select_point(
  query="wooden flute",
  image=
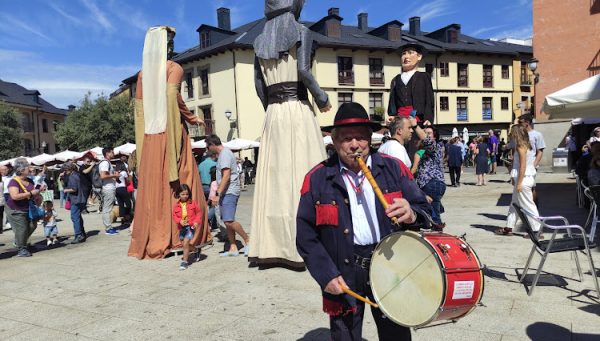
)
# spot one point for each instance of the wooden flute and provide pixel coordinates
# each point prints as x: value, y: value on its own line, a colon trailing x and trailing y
x: 376, y: 189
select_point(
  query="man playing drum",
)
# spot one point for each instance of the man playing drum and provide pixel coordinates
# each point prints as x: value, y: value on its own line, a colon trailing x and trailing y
x: 340, y: 221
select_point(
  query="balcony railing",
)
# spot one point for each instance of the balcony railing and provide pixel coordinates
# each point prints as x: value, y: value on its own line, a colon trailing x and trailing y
x: 346, y: 77
x: 526, y: 80
x: 487, y: 114
x: 462, y: 115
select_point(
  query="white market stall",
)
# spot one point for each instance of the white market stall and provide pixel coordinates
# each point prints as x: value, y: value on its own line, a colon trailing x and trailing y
x: 581, y: 99
x: 68, y: 155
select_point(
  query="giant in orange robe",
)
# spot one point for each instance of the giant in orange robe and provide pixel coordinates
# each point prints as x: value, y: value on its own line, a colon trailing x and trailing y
x: 166, y: 161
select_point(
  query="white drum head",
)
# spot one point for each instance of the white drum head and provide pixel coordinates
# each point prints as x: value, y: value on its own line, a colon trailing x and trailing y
x: 406, y: 279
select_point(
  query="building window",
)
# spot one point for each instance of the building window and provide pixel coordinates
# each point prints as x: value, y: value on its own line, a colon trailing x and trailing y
x: 486, y: 106
x: 463, y: 75
x: 209, y: 123
x: 27, y: 146
x: 55, y: 126
x: 47, y: 148
x: 44, y: 125
x: 205, y: 39
x: 204, y: 81
x: 444, y: 69
x: 488, y: 76
x: 56, y: 148
x: 452, y: 36
x: 376, y: 71
x: 504, y: 103
x: 344, y: 97
x: 189, y: 85
x: 524, y: 76
x: 461, y: 109
x: 376, y: 106
x: 345, y: 73
x: 193, y: 130
x: 505, y: 74
x: 444, y: 105
x: 429, y: 69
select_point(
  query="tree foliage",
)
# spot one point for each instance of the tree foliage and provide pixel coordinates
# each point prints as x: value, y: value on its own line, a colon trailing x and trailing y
x: 11, y: 131
x: 99, y: 122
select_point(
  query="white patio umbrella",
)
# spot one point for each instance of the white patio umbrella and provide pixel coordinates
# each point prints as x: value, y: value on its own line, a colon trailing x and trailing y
x: 68, y: 155
x: 454, y: 132
x: 581, y: 99
x: 238, y: 144
x: 125, y: 149
x: 42, y: 159
x: 465, y: 135
x: 199, y: 144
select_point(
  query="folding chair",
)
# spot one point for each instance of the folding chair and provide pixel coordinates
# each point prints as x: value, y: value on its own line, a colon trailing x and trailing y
x: 571, y: 242
x: 593, y: 193
x: 579, y: 194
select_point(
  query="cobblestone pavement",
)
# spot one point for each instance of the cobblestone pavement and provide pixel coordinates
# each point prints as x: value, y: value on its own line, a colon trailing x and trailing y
x: 94, y: 291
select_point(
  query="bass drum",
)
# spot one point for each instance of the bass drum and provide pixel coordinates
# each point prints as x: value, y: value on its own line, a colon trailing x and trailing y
x: 419, y: 278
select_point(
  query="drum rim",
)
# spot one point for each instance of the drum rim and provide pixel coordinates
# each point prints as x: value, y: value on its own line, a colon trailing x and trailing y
x: 417, y: 236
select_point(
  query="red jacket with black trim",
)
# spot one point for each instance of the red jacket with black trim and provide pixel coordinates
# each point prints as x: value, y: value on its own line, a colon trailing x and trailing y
x: 194, y: 214
x: 325, y: 236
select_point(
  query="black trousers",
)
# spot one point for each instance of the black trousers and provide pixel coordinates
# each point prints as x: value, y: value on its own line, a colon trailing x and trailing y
x: 349, y: 327
x: 454, y: 175
x: 1, y: 218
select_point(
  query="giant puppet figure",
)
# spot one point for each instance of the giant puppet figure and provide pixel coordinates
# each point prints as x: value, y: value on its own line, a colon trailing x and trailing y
x: 412, y: 90
x: 164, y: 150
x: 291, y: 142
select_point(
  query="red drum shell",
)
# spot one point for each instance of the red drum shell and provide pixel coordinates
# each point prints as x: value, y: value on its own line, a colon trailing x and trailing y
x: 419, y: 278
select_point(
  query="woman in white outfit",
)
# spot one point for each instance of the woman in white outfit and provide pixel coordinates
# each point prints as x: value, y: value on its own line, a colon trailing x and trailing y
x: 523, y: 179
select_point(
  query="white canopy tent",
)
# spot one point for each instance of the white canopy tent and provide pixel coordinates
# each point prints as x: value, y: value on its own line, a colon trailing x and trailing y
x: 581, y: 99
x: 42, y: 159
x: 11, y: 161
x: 238, y: 144
x: 199, y: 144
x: 68, y: 155
x: 125, y: 149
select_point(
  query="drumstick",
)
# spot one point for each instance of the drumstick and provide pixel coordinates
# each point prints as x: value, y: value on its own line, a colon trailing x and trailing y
x: 376, y: 189
x: 360, y: 298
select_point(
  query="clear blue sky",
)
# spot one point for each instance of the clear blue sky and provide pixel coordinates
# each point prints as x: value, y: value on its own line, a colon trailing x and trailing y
x: 65, y: 48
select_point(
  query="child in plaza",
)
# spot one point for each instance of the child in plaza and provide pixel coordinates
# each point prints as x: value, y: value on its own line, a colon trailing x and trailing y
x: 187, y: 215
x: 49, y: 223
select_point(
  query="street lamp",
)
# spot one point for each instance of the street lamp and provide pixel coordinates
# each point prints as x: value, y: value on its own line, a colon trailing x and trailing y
x: 43, y: 147
x: 228, y: 114
x: 532, y: 66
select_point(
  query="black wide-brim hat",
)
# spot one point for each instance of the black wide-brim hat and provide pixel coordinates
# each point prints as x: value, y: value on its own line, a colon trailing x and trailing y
x: 414, y: 46
x: 352, y: 115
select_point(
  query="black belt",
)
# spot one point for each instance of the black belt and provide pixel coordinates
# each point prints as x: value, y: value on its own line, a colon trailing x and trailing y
x: 363, y: 262
x: 362, y: 255
x: 286, y: 91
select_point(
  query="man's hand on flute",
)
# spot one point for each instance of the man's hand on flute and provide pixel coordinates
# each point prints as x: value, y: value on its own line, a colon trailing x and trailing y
x: 400, y: 209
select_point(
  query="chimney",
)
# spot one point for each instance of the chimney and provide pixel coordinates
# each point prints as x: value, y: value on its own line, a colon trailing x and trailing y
x: 415, y: 26
x: 223, y: 18
x: 363, y: 23
x: 334, y: 11
x: 71, y: 107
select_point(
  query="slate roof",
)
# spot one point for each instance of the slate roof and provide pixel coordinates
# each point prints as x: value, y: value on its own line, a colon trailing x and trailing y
x: 353, y: 37
x: 16, y: 94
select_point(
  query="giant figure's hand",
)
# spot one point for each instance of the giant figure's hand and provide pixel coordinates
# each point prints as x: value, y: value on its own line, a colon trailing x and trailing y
x: 325, y: 108
x: 336, y: 286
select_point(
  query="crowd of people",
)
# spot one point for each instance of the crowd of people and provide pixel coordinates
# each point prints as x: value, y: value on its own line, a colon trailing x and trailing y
x: 77, y: 186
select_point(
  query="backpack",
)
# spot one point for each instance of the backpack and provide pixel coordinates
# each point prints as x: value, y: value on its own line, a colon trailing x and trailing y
x: 96, y: 180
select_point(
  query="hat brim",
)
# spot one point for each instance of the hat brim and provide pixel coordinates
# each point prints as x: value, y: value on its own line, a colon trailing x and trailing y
x: 417, y: 47
x: 373, y: 125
